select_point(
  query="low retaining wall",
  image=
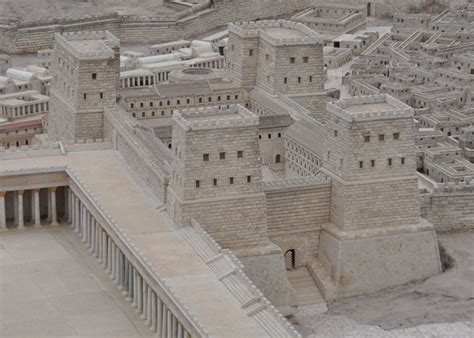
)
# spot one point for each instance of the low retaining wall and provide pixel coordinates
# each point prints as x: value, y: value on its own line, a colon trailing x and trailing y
x: 450, y: 206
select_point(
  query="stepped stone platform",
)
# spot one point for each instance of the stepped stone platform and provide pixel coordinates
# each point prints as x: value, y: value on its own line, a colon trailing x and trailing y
x: 307, y: 292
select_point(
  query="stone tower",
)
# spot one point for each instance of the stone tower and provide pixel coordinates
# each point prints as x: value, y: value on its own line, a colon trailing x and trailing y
x: 376, y: 238
x: 280, y: 57
x: 86, y: 68
x: 217, y: 182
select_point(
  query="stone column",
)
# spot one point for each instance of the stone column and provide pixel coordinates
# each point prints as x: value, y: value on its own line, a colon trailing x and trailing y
x: 149, y: 307
x: 134, y: 285
x: 15, y: 208
x: 92, y: 226
x: 3, y: 212
x: 69, y: 205
x: 109, y: 254
x: 73, y: 210
x: 153, y: 311
x: 84, y: 225
x: 77, y: 210
x: 169, y: 325
x: 139, y: 294
x: 36, y: 208
x: 54, y: 212
x: 175, y: 326
x: 130, y: 282
x: 112, y: 260
x: 50, y: 220
x: 159, y: 316
x: 105, y: 251
x: 21, y: 223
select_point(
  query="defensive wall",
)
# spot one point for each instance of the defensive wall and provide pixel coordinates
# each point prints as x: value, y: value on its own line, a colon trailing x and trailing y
x: 29, y: 37
x: 32, y: 36
x: 296, y: 210
x: 449, y: 206
x: 148, y: 158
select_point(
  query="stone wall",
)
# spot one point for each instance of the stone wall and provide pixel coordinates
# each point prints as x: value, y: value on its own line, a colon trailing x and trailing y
x: 146, y: 30
x: 296, y: 210
x: 383, y: 7
x: 152, y: 168
x: 451, y: 206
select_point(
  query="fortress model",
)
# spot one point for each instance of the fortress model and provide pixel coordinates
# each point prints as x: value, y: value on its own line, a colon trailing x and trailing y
x: 199, y: 174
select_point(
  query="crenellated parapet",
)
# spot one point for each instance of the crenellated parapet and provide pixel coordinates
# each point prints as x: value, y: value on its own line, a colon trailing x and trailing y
x: 89, y: 45
x: 254, y: 29
x: 456, y: 187
x: 295, y: 183
x: 357, y: 108
x: 215, y: 117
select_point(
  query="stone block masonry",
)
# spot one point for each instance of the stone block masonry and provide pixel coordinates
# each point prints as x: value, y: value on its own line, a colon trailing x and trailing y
x: 297, y: 209
x: 450, y: 206
x: 216, y: 180
x: 86, y: 68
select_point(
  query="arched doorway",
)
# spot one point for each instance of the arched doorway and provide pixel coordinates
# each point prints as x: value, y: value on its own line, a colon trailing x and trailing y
x: 369, y: 9
x: 278, y: 158
x: 290, y: 259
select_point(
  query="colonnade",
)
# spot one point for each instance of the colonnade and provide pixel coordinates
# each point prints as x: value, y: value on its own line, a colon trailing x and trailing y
x: 123, y: 272
x: 19, y: 217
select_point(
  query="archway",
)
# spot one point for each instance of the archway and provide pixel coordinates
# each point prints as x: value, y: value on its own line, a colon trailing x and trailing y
x: 290, y: 259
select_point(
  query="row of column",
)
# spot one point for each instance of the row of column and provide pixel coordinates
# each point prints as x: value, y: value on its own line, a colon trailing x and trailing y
x: 124, y: 274
x: 18, y: 208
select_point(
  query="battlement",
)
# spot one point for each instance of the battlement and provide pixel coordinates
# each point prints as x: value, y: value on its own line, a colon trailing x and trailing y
x: 299, y: 182
x: 453, y: 187
x: 89, y: 45
x: 370, y: 108
x: 215, y: 117
x: 276, y: 32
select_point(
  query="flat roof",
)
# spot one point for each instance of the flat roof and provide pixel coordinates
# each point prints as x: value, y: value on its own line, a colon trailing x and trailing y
x: 87, y: 46
x: 284, y: 33
x: 369, y: 107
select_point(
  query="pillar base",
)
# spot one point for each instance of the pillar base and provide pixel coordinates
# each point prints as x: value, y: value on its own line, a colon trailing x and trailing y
x: 3, y: 229
x: 37, y: 226
x: 55, y: 224
x: 366, y: 261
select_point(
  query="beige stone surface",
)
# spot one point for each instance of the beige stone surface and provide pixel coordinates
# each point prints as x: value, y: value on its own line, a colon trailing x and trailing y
x: 51, y: 287
x: 106, y: 175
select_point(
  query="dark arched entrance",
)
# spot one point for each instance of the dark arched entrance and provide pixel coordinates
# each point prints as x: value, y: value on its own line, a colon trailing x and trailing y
x: 290, y: 259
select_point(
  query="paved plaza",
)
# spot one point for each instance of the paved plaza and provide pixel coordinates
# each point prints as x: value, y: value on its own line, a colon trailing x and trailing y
x: 51, y: 287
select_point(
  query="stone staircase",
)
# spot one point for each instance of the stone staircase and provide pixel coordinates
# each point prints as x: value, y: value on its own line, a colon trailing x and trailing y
x: 307, y: 292
x: 229, y: 270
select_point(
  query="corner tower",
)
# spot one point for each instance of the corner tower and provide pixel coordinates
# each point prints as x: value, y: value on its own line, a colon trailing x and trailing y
x: 280, y: 57
x: 86, y: 73
x: 376, y: 238
x: 217, y: 182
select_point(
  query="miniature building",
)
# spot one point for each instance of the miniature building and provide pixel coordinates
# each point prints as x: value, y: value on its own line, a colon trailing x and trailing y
x: 5, y: 63
x: 215, y: 175
x: 332, y: 20
x: 262, y: 53
x: 336, y: 57
x: 369, y: 146
x: 45, y: 58
x: 86, y: 69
